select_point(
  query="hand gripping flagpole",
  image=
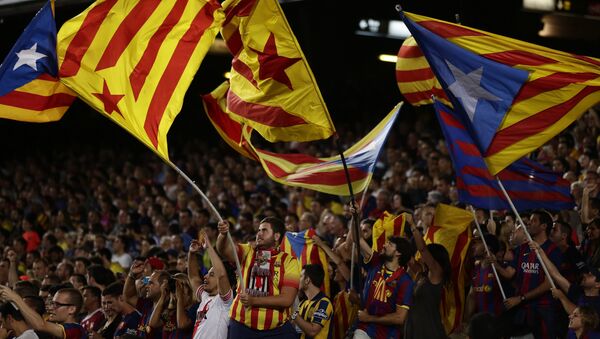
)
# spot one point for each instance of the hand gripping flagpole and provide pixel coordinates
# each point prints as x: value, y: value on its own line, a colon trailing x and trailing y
x: 487, y: 250
x: 512, y: 206
x: 355, y: 215
x: 216, y: 213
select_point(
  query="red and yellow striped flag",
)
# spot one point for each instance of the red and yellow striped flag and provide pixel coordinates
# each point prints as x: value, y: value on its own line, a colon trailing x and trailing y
x: 388, y: 225
x: 215, y: 106
x: 273, y: 89
x: 415, y: 78
x: 558, y: 87
x: 134, y: 60
x: 451, y: 230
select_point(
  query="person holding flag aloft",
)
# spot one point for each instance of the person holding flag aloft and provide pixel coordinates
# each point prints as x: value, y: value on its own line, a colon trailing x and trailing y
x: 262, y: 306
x: 536, y: 308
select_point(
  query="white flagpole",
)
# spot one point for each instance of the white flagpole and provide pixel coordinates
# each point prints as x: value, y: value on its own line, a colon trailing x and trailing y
x: 512, y: 206
x: 216, y: 213
x: 487, y: 250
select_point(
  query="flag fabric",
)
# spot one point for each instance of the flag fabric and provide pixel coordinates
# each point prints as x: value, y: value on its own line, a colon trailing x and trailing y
x: 134, y: 60
x: 29, y: 89
x: 517, y: 95
x: 327, y: 174
x: 529, y: 184
x: 451, y: 229
x: 388, y: 225
x: 215, y: 106
x: 415, y: 78
x: 301, y: 246
x: 272, y: 87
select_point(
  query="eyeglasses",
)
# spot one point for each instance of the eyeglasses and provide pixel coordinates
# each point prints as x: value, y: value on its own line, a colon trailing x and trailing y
x: 56, y: 304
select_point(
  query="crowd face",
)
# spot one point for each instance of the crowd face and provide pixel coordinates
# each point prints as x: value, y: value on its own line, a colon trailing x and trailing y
x: 593, y: 232
x: 575, y: 322
x: 367, y: 230
x: 211, y: 282
x: 60, y: 308
x: 153, y: 289
x: 110, y: 304
x: 265, y: 237
x: 534, y: 227
x: 556, y: 235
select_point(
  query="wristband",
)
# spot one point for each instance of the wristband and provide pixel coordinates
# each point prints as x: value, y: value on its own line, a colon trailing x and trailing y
x: 294, y: 315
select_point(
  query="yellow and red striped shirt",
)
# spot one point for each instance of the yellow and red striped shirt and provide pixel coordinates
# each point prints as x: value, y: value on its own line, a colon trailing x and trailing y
x: 344, y: 315
x: 285, y: 272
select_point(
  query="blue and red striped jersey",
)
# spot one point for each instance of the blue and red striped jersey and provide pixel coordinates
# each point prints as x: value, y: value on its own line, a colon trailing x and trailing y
x: 530, y: 274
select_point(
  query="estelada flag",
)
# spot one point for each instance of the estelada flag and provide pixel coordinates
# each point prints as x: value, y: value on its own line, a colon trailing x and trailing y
x: 517, y: 95
x: 134, y: 60
x: 388, y: 225
x: 301, y: 246
x: 29, y: 88
x: 273, y: 89
x: 451, y: 229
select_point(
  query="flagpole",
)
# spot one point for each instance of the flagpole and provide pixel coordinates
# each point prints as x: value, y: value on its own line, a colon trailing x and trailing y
x: 487, y: 250
x: 355, y: 215
x: 512, y: 206
x: 216, y: 213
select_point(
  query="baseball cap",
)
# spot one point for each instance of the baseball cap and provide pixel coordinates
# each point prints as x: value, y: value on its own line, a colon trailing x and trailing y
x: 155, y: 263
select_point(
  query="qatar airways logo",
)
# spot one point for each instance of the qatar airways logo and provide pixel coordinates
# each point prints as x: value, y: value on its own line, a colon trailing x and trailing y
x: 530, y: 267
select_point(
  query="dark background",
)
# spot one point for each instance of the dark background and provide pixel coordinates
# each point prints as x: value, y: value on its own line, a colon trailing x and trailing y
x: 357, y: 87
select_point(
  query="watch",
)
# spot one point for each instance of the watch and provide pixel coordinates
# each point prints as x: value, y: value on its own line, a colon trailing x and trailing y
x: 294, y: 315
x: 523, y: 298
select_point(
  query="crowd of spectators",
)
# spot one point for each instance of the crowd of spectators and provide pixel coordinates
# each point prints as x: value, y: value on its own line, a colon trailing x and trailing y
x: 77, y: 220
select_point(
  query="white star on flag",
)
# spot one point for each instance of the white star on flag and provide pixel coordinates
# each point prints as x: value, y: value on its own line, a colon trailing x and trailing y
x: 467, y: 87
x: 29, y: 57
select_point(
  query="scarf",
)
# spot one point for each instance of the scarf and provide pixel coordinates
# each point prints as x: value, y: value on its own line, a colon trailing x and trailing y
x: 260, y: 273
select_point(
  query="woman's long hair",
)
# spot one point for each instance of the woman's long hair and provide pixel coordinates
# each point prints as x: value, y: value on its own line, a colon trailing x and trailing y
x: 440, y: 254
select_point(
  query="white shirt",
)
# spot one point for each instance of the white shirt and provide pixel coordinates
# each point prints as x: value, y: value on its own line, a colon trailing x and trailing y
x: 212, y: 317
x: 124, y: 260
x: 29, y: 334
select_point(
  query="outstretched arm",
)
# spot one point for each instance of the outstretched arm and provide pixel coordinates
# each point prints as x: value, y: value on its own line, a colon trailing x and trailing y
x: 32, y: 318
x: 436, y: 273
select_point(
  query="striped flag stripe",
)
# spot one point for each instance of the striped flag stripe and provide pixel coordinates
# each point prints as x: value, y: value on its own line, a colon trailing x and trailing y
x: 410, y: 51
x: 513, y: 179
x: 487, y: 191
x: 84, y: 37
x: 244, y: 70
x: 331, y: 177
x: 241, y: 9
x: 552, y: 82
x: 138, y: 76
x: 175, y: 68
x: 273, y: 116
x: 296, y: 158
x: 409, y: 64
x: 468, y: 148
x: 36, y: 102
x: 537, y: 123
x: 418, y: 96
x: 414, y: 75
x: 519, y: 57
x: 128, y: 28
x: 447, y: 30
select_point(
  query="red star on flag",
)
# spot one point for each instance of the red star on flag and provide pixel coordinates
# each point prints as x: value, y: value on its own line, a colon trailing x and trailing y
x: 109, y: 100
x: 273, y: 65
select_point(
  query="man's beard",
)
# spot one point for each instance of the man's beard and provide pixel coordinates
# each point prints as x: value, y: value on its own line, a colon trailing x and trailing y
x: 387, y: 258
